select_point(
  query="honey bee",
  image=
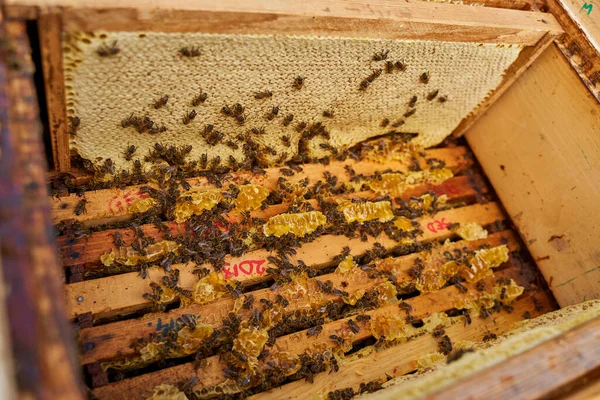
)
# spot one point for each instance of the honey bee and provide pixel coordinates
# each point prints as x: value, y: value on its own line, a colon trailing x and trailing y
x: 118, y: 239
x: 258, y: 131
x: 389, y: 67
x: 299, y: 82
x: 232, y: 145
x: 74, y: 123
x: 240, y: 119
x: 161, y: 102
x: 364, y: 84
x: 432, y: 95
x: 442, y: 99
x: 129, y: 151
x: 273, y: 113
x: 424, y: 78
x: 399, y: 66
x: 193, y: 51
x: 328, y: 113
x: 189, y: 117
x: 398, y: 123
x: 380, y: 56
x: 374, y: 74
x: 131, y: 120
x: 412, y: 101
x: 208, y: 129
x: 301, y: 126
x: 238, y: 109
x: 353, y: 326
x: 286, y: 140
x: 384, y: 123
x: 80, y: 208
x: 288, y: 119
x: 410, y: 112
x: 199, y: 99
x: 314, y: 330
x: 214, y: 138
x: 262, y: 95
x: 107, y: 51
x: 227, y: 111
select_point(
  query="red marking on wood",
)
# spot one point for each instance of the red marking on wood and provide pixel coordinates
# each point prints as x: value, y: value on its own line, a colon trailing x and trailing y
x: 438, y: 225
x: 120, y: 202
x: 246, y: 267
x: 445, y: 188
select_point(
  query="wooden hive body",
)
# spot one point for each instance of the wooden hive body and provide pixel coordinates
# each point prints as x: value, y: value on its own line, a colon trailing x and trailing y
x: 289, y: 293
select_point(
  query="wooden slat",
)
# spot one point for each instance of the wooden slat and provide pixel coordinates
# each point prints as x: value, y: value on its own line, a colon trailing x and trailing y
x: 112, y: 340
x: 298, y: 343
x: 111, y: 205
x: 380, y: 19
x: 123, y: 293
x: 88, y: 249
x: 50, y: 30
x: 544, y: 162
x: 401, y: 359
x: 41, y: 337
x: 575, y: 45
x: 537, y: 372
x: 585, y: 15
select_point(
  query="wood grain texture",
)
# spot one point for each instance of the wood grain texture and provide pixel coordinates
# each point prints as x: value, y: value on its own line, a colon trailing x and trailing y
x: 557, y: 362
x: 540, y: 148
x: 41, y: 336
x: 50, y: 31
x: 383, y: 18
x: 577, y: 47
x: 113, y: 340
x: 585, y: 15
x: 120, y: 294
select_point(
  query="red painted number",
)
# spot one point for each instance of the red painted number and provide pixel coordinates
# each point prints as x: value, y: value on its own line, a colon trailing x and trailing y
x: 121, y: 202
x: 438, y: 225
x: 246, y: 267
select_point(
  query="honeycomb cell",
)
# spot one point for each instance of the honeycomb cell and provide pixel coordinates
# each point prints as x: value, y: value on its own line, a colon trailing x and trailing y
x: 195, y: 203
x: 190, y: 341
x: 366, y: 211
x: 299, y: 224
x: 250, y: 197
x: 209, y: 288
x: 471, y: 231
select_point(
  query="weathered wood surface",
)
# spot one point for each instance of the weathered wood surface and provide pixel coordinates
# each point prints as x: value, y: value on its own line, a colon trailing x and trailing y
x: 544, y: 162
x: 41, y: 337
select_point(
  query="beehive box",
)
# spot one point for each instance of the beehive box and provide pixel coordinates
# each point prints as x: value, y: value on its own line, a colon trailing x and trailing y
x: 273, y: 201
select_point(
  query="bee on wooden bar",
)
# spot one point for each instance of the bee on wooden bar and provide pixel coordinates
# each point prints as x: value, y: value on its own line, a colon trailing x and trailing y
x: 80, y: 208
x: 442, y: 99
x: 287, y: 172
x: 263, y: 95
x: 399, y: 66
x: 282, y: 300
x: 432, y: 95
x: 161, y: 102
x: 424, y: 78
x: 74, y: 123
x: 129, y: 151
x: 380, y: 56
x: 189, y: 117
x: 273, y: 113
x: 106, y: 51
x: 363, y: 318
x: 299, y: 82
x: 353, y: 326
x: 412, y: 101
x: 328, y: 113
x: 199, y: 99
x: 314, y: 330
x: 288, y: 119
x: 336, y: 339
x: 118, y: 239
x: 248, y: 300
x: 192, y: 51
x: 410, y: 112
x: 398, y: 123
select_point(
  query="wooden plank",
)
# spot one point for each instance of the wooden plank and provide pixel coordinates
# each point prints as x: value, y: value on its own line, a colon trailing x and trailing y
x: 111, y: 205
x: 88, y: 249
x: 585, y: 15
x: 380, y: 19
x: 123, y: 293
x: 576, y: 46
x: 298, y: 343
x: 537, y: 372
x: 7, y: 362
x: 50, y: 31
x: 543, y: 161
x: 113, y: 340
x: 523, y: 61
x: 41, y: 338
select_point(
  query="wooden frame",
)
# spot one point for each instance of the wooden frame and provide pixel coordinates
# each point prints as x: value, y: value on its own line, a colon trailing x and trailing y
x: 384, y: 19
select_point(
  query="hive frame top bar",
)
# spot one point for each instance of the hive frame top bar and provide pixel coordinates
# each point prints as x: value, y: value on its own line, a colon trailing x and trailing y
x: 377, y: 19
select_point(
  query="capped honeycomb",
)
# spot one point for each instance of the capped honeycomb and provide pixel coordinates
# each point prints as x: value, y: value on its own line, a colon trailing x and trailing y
x: 142, y: 88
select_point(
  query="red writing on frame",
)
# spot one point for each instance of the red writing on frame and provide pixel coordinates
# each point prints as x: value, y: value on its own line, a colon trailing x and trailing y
x: 438, y: 225
x: 246, y: 267
x: 121, y: 202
